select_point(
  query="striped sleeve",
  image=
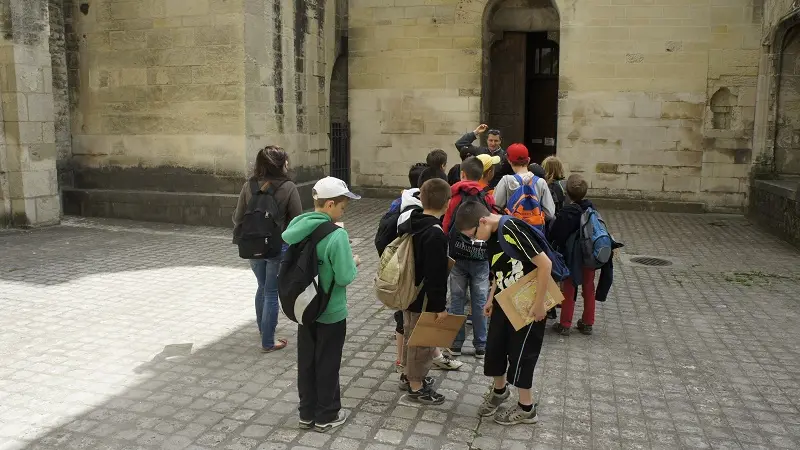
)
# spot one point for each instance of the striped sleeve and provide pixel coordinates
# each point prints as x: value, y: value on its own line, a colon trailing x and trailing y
x: 521, y: 238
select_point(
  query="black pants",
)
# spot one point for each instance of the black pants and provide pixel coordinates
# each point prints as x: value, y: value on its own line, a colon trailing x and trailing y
x: 512, y: 353
x: 398, y: 320
x: 319, y: 357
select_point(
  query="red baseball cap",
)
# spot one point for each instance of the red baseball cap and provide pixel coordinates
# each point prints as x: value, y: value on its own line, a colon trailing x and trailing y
x: 517, y: 153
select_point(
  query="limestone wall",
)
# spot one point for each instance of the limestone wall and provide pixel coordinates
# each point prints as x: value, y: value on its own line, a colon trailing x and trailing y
x: 158, y: 84
x: 178, y: 95
x: 636, y: 80
x: 28, y: 185
x: 289, y: 55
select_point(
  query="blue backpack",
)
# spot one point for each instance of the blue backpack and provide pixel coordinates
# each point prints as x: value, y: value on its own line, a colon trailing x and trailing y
x: 525, y: 204
x: 595, y: 241
x: 560, y: 270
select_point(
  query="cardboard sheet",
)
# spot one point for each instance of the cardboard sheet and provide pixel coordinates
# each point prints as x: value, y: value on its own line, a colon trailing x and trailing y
x: 428, y: 333
x: 517, y: 299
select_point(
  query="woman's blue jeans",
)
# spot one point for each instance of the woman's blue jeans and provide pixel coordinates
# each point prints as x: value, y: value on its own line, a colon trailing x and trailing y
x: 266, y: 271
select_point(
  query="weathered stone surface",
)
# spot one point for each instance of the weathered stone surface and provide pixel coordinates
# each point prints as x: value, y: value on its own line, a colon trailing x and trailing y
x: 633, y: 77
x: 189, y: 374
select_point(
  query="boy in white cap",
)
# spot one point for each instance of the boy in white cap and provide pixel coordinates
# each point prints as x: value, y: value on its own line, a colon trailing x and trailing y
x: 320, y: 344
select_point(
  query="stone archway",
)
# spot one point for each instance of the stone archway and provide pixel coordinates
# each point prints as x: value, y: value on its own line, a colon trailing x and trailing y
x: 520, y: 72
x: 787, y: 123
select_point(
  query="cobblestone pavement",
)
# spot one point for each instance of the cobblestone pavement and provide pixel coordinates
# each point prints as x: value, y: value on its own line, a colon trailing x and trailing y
x: 129, y: 335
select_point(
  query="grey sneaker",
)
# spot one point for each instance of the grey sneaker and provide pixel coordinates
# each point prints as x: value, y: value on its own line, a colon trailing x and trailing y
x: 337, y: 422
x: 516, y: 415
x: 491, y: 401
x: 306, y: 424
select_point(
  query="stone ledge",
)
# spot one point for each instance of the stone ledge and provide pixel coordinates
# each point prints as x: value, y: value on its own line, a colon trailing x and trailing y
x: 188, y: 208
x: 788, y: 188
x: 631, y: 204
x: 775, y: 206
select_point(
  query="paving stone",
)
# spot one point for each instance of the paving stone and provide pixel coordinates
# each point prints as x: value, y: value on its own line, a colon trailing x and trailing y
x: 675, y: 354
x: 389, y: 436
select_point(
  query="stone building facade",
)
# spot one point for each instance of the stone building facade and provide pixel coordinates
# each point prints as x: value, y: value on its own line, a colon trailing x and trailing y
x: 655, y: 100
x: 155, y: 108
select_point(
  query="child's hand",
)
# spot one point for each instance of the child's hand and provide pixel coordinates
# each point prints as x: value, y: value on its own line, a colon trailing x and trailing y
x: 487, y: 310
x: 441, y: 316
x: 357, y: 260
x: 538, y: 312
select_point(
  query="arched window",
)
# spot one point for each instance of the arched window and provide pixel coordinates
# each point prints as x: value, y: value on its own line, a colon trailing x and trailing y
x: 722, y: 103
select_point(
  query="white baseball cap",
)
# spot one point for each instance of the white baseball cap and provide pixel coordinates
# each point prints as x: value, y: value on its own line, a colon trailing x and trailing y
x: 330, y: 187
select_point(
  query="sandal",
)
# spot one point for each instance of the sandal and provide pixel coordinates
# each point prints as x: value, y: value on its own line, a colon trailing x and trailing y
x: 282, y: 343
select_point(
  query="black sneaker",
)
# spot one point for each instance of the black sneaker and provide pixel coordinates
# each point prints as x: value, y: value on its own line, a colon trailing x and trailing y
x: 551, y: 314
x: 306, y: 424
x: 561, y: 329
x: 583, y: 328
x: 426, y: 396
x: 480, y: 353
x: 453, y: 351
x: 403, y: 385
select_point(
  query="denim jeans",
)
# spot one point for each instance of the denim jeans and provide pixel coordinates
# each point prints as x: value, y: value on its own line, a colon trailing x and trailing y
x: 475, y: 276
x: 266, y: 271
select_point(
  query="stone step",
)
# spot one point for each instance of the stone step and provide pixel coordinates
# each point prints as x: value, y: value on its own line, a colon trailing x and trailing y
x: 189, y: 208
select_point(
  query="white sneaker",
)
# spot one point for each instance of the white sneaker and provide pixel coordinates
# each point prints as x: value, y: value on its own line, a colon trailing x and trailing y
x: 339, y: 421
x: 445, y: 363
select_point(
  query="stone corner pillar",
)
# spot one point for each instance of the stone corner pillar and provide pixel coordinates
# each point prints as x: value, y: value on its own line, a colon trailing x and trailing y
x: 29, y: 194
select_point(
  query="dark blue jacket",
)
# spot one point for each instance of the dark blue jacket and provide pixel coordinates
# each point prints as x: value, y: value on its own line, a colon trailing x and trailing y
x: 565, y: 236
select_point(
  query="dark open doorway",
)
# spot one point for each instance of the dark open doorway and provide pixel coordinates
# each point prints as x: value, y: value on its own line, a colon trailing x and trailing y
x: 340, y: 125
x: 523, y: 91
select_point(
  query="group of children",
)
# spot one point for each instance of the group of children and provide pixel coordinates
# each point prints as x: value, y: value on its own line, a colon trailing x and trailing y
x: 465, y: 221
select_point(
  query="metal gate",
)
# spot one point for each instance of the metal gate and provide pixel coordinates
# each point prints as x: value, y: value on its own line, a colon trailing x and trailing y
x: 340, y: 151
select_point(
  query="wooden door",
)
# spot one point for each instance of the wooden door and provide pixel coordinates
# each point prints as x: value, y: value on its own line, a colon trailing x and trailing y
x: 507, y: 87
x: 541, y: 95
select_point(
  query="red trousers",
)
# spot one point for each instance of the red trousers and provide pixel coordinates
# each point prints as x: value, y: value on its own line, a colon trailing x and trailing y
x: 569, y: 291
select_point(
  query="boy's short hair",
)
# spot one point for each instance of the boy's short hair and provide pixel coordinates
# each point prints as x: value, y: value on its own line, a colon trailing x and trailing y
x: 472, y: 168
x: 537, y: 170
x: 436, y: 158
x: 414, y: 174
x: 467, y: 151
x: 576, y: 187
x: 320, y: 202
x: 435, y: 194
x: 430, y: 173
x: 469, y: 215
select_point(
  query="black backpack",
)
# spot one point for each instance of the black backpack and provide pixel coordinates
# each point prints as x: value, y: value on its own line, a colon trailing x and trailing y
x: 387, y: 228
x: 462, y: 247
x: 302, y: 299
x: 259, y: 234
x: 558, y: 193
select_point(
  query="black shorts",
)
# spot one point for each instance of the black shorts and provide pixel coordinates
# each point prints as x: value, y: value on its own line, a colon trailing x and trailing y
x: 512, y: 353
x: 398, y: 319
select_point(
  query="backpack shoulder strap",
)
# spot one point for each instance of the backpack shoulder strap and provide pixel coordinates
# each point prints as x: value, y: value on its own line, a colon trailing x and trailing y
x: 323, y: 230
x: 508, y: 249
x: 519, y: 179
x: 272, y: 187
x: 254, y: 187
x: 254, y: 190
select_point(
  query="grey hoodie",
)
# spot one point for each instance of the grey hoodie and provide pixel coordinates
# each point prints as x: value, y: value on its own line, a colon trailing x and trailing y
x: 508, y: 184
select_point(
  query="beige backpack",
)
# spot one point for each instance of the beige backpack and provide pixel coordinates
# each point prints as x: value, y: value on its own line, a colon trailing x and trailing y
x: 396, y: 279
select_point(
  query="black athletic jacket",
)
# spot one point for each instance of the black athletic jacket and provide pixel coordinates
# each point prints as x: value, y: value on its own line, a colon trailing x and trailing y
x: 430, y: 259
